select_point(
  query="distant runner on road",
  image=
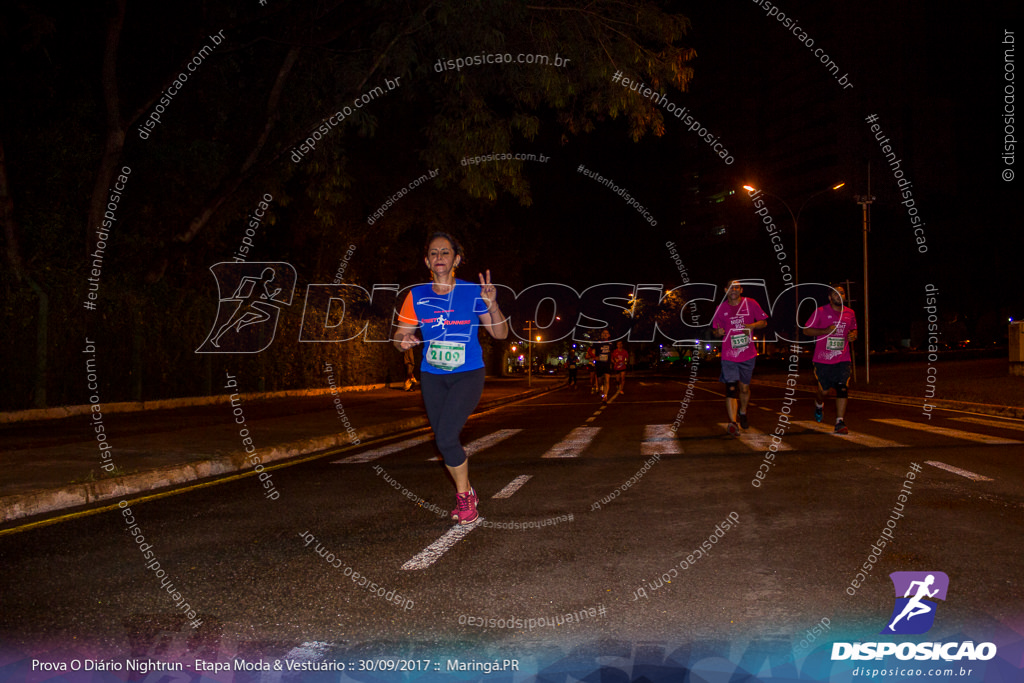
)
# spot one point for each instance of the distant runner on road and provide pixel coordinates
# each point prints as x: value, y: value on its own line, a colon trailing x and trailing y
x: 603, y: 363
x: 620, y: 358
x: 835, y: 326
x: 591, y: 356
x: 735, y: 320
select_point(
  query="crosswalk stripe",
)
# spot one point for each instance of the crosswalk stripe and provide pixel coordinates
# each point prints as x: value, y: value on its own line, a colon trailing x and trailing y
x: 756, y: 440
x: 512, y: 486
x: 433, y: 552
x: 945, y: 431
x: 490, y: 440
x: 572, y: 445
x: 385, y: 450
x: 484, y: 442
x: 855, y: 437
x: 956, y: 470
x: 659, y: 439
x: 1001, y: 424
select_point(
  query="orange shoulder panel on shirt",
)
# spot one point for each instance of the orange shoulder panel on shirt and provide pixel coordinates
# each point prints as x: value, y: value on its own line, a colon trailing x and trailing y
x: 408, y: 313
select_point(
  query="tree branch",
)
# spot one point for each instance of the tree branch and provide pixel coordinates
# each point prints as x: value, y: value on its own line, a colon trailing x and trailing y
x: 114, y: 143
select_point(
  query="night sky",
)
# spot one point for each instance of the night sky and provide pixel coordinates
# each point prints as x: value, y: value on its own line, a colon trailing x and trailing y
x: 932, y: 73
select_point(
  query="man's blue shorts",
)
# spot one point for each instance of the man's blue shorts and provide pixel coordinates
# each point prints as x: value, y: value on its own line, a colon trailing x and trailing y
x: 737, y: 372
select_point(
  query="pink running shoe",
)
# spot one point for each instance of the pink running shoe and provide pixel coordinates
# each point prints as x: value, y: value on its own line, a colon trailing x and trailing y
x: 467, y: 507
x: 455, y: 512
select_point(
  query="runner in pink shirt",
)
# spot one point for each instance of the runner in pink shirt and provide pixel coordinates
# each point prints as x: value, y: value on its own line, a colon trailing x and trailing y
x: 620, y: 358
x: 835, y: 326
x: 735, y: 321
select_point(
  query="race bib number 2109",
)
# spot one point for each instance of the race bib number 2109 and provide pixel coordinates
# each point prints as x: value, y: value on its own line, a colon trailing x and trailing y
x: 446, y: 355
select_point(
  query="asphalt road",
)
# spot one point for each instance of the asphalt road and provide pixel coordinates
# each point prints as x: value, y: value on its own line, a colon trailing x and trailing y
x: 626, y: 565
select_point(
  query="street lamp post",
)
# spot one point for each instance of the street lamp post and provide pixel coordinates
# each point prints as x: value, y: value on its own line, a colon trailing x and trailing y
x: 865, y: 201
x: 529, y: 353
x: 796, y: 221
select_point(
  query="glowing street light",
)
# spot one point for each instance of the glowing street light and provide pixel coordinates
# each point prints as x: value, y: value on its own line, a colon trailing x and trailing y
x: 753, y: 191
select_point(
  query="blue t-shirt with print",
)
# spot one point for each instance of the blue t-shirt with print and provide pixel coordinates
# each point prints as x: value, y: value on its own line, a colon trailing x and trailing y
x: 449, y: 324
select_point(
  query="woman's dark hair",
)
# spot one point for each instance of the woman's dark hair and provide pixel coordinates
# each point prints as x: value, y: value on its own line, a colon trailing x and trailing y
x: 456, y: 245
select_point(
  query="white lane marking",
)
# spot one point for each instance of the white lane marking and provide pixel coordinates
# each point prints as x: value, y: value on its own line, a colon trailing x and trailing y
x: 572, y: 445
x: 945, y: 431
x: 433, y: 552
x: 490, y: 440
x: 855, y: 437
x: 590, y: 419
x: 512, y: 486
x: 484, y: 442
x: 956, y: 470
x: 659, y: 439
x: 756, y: 440
x: 385, y: 450
x: 1001, y: 424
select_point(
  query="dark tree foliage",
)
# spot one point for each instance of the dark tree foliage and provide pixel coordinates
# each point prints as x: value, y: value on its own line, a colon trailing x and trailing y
x: 81, y: 82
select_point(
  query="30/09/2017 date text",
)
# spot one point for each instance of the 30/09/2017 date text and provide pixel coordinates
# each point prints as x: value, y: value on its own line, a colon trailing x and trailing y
x: 429, y: 665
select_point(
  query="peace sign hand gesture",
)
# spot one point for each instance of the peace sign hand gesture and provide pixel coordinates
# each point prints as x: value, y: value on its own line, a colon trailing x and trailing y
x: 488, y: 292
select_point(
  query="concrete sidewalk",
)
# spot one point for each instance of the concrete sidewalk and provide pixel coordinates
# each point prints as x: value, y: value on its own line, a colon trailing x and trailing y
x: 935, y: 403
x: 965, y: 385
x: 56, y: 465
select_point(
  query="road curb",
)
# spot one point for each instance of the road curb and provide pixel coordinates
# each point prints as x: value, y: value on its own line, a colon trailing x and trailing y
x: 41, y: 502
x: 60, y: 412
x: 946, y: 404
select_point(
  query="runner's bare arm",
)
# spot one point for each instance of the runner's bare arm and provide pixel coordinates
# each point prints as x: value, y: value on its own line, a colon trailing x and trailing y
x: 818, y: 331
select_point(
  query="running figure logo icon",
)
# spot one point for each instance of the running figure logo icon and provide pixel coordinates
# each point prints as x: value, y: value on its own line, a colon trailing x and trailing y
x: 247, y: 317
x: 915, y: 614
